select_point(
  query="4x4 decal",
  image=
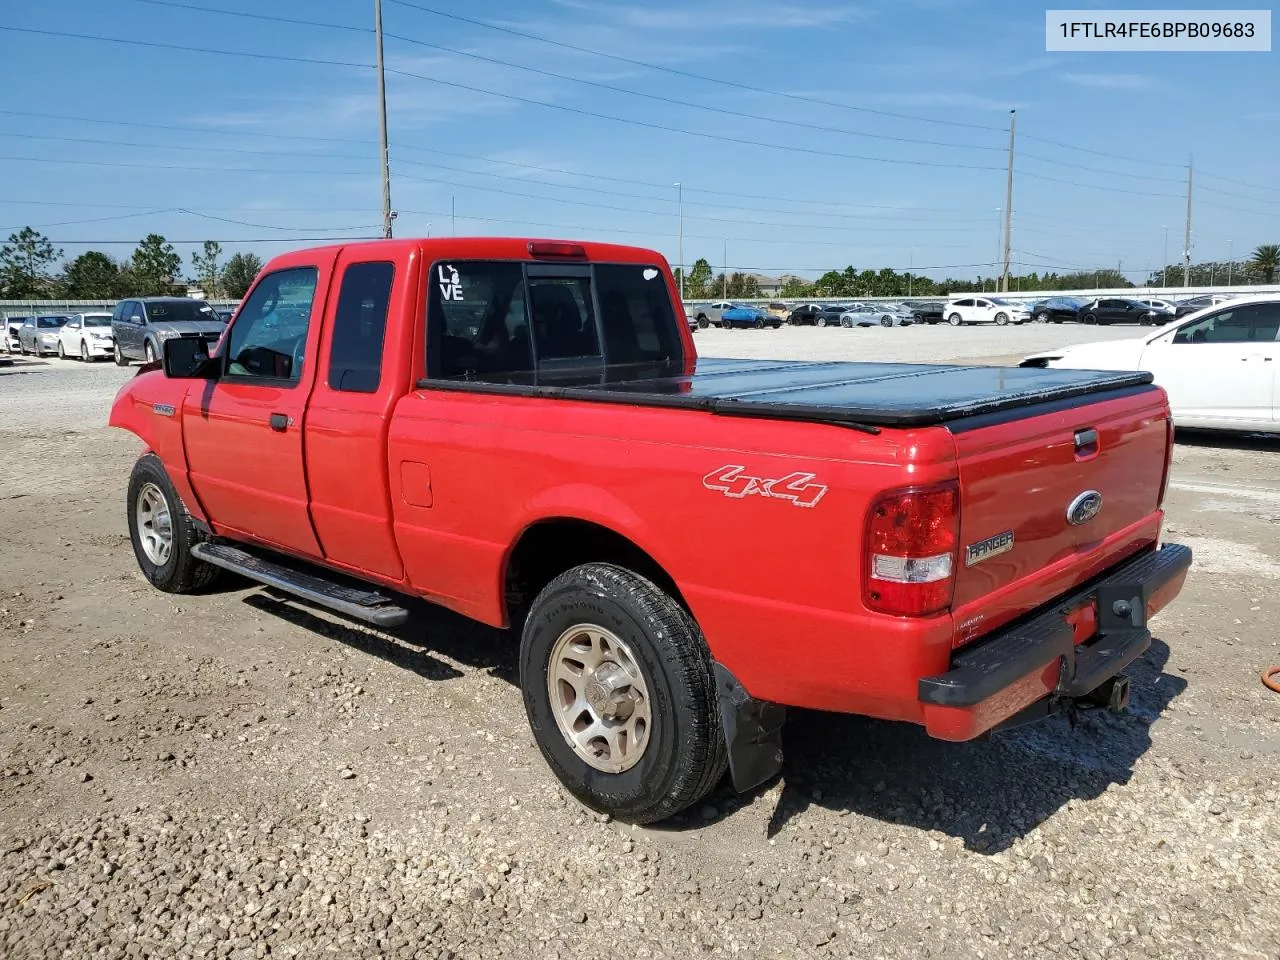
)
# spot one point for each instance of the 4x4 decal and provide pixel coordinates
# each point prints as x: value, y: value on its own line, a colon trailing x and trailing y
x: 733, y: 481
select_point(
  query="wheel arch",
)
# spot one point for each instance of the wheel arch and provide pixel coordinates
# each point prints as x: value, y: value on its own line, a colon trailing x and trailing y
x: 549, y: 546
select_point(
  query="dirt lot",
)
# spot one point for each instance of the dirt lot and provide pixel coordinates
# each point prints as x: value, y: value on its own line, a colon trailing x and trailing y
x: 226, y: 775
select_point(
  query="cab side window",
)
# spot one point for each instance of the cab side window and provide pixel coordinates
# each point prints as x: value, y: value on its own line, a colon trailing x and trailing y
x: 1258, y: 322
x: 360, y: 327
x: 269, y: 335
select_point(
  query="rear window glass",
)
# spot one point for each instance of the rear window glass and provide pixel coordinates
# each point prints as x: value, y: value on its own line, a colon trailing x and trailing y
x: 180, y: 311
x: 638, y: 319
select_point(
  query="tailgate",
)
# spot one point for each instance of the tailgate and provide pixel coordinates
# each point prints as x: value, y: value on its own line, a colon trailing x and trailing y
x: 1049, y: 501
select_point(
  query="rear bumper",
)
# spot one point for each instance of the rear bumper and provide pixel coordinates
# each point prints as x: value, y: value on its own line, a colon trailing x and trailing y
x: 1000, y: 676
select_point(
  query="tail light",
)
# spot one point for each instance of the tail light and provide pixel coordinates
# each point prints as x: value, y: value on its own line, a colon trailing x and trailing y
x: 1168, y: 462
x: 545, y: 249
x: 912, y: 535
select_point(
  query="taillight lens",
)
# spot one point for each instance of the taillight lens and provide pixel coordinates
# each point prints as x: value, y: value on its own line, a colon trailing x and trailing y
x: 1168, y: 462
x: 911, y: 550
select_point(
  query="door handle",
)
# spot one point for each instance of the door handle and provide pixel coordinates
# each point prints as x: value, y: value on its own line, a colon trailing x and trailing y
x: 279, y: 422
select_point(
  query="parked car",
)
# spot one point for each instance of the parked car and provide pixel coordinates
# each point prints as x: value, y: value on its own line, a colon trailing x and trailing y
x: 859, y: 315
x: 1194, y: 304
x: 779, y: 309
x: 1218, y: 366
x: 829, y: 315
x: 710, y: 314
x: 140, y: 327
x: 995, y: 310
x: 744, y: 317
x: 10, y: 330
x: 691, y: 320
x: 806, y: 314
x: 896, y: 315
x: 1056, y: 310
x: 1157, y: 304
x: 224, y: 313
x: 1106, y: 310
x: 926, y: 311
x: 471, y: 457
x: 39, y: 335
x: 87, y: 336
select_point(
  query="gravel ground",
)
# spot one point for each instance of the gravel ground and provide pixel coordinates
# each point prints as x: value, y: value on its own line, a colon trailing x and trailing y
x: 230, y: 776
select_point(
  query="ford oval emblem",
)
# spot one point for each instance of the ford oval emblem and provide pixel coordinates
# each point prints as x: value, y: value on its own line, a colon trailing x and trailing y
x: 1084, y: 508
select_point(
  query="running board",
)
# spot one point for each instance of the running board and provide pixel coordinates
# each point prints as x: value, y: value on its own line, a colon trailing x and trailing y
x: 367, y: 605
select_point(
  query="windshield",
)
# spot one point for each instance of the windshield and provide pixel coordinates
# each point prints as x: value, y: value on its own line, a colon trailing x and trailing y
x: 180, y: 311
x: 97, y: 320
x: 51, y: 323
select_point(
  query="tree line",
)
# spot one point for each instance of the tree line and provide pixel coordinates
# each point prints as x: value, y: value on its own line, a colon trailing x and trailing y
x: 31, y: 268
x: 703, y: 284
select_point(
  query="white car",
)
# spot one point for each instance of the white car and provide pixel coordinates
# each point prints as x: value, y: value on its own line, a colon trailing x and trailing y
x: 87, y: 336
x: 1218, y: 365
x: 985, y: 310
x: 1160, y: 305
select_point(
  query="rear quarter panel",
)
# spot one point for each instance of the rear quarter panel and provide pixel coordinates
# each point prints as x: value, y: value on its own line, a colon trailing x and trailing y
x: 775, y: 587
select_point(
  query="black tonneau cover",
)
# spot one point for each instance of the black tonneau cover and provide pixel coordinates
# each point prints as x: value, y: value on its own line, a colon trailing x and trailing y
x: 855, y: 394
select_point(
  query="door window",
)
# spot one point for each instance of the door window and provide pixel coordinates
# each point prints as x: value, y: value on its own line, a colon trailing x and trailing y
x: 1257, y: 322
x: 360, y: 327
x: 478, y: 326
x: 270, y: 333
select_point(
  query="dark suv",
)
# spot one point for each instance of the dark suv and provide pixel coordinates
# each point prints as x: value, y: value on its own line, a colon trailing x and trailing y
x: 141, y: 327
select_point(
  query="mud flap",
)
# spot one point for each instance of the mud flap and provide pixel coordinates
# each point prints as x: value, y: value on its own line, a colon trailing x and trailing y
x: 752, y: 732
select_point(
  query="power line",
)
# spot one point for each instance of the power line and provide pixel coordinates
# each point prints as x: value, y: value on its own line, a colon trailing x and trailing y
x: 579, y: 80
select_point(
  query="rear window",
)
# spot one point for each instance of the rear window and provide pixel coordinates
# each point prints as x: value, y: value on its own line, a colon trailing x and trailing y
x: 180, y: 311
x: 487, y: 321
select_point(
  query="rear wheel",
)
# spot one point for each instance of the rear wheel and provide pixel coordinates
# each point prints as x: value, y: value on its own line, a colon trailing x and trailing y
x: 822, y: 321
x: 619, y: 693
x: 955, y: 319
x: 1041, y: 318
x: 846, y: 322
x: 162, y: 531
x: 703, y: 322
x: 1090, y: 318
x: 759, y: 324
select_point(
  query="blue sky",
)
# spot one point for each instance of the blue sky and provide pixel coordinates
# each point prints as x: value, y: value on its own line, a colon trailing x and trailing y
x: 279, y: 148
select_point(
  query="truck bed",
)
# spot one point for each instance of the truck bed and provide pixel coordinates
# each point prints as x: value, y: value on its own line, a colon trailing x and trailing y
x: 860, y: 395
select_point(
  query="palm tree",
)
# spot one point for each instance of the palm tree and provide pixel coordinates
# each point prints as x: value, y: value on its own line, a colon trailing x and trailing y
x: 1266, y: 259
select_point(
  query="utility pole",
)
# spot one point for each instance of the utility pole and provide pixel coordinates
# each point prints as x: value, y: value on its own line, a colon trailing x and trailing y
x: 680, y: 218
x: 1164, y: 264
x: 724, y: 292
x: 1186, y: 243
x: 382, y: 117
x: 1008, y: 206
x: 995, y: 267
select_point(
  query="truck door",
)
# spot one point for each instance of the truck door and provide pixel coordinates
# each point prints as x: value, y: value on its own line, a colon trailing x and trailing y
x: 361, y: 376
x: 243, y: 432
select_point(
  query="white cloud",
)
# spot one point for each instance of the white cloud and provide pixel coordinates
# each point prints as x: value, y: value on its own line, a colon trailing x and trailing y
x: 1110, y: 81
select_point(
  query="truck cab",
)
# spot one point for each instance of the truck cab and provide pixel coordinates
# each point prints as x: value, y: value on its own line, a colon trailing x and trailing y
x: 522, y: 431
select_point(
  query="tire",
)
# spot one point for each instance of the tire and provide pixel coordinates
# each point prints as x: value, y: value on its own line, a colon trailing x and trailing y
x: 120, y: 358
x: 847, y: 323
x: 759, y: 324
x: 1090, y: 318
x: 149, y: 352
x: 1041, y: 318
x: 84, y: 352
x: 62, y: 351
x: 918, y: 318
x: 955, y: 320
x: 179, y: 571
x: 683, y: 755
x: 886, y: 322
x: 822, y: 321
x: 703, y: 322
x: 22, y: 348
x: 1002, y: 319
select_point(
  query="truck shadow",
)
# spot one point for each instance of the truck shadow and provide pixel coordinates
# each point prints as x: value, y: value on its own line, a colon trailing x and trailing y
x: 987, y: 793
x: 1220, y: 440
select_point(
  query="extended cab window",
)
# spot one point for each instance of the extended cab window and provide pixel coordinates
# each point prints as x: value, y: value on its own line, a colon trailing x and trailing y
x: 477, y: 321
x: 270, y: 333
x: 359, y: 327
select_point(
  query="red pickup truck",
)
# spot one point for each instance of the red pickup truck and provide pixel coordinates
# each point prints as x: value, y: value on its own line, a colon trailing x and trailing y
x: 521, y: 431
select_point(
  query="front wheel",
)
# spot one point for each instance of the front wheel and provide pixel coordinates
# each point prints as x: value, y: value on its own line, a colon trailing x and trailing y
x: 955, y: 319
x: 149, y: 352
x: 619, y: 693
x: 822, y: 321
x: 162, y: 531
x: 1002, y: 319
x: 886, y: 321
x: 62, y: 351
x: 1090, y: 318
x: 84, y: 352
x: 703, y: 322
x: 847, y: 323
x: 759, y: 324
x: 120, y: 359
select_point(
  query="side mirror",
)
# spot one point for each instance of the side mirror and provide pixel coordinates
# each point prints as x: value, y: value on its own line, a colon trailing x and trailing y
x: 187, y: 358
x: 136, y: 318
